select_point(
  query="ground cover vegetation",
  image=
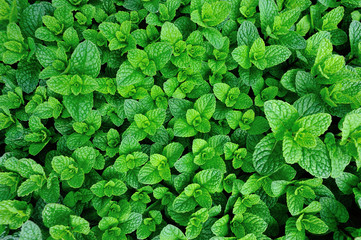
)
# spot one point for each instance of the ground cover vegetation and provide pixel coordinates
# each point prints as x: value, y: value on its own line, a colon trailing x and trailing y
x: 180, y: 119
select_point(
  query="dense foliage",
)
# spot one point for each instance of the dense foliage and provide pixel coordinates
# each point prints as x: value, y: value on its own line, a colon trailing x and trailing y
x: 180, y: 119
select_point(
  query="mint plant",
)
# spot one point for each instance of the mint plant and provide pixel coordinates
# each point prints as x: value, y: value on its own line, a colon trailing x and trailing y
x: 180, y: 119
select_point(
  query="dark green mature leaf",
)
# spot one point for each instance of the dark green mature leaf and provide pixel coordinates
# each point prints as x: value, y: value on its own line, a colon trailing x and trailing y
x: 27, y: 75
x: 29, y: 231
x: 32, y: 17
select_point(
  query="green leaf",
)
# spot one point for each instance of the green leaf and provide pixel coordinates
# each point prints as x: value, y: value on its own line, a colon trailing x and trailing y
x: 210, y: 179
x: 60, y: 163
x: 279, y: 187
x: 220, y: 10
x: 32, y: 17
x: 323, y: 52
x: 220, y: 227
x: 313, y: 207
x: 27, y: 187
x: 152, y: 6
x: 257, y: 54
x: 217, y: 143
x: 316, y: 160
x: 293, y: 40
x: 349, y: 125
x: 247, y: 33
x: 346, y: 182
x: 285, y: 20
x: 149, y: 174
x: 76, y: 140
x: 127, y: 75
x: 85, y: 157
x: 108, y: 29
x: 30, y: 231
x: 183, y: 129
x: 305, y: 139
x: 267, y: 156
x: 294, y: 202
x: 171, y: 232
x: 276, y: 54
x: 280, y: 115
x: 241, y: 56
x: 56, y: 214
x: 179, y: 107
x: 25, y: 167
x: 204, y: 200
x: 132, y: 223
x: 79, y: 224
x: 315, y: 124
x: 332, y: 19
x: 292, y: 232
x: 85, y: 59
x: 129, y: 145
x: 27, y: 75
x: 77, y: 180
x: 253, y: 223
x: 170, y: 33
x: 220, y: 91
x: 214, y: 37
x: 355, y: 36
x: 333, y: 212
x: 79, y: 106
x: 292, y: 152
x: 185, y: 164
x: 314, y: 225
x: 60, y: 84
x: 250, y: 76
x: 14, y: 213
x: 338, y: 155
x: 206, y: 105
x: 45, y: 55
x: 309, y: 104
x: 173, y: 152
x: 160, y: 53
x: 288, y: 80
x: 183, y: 203
x: 156, y: 116
x: 220, y: 114
x: 252, y: 184
x: 268, y: 10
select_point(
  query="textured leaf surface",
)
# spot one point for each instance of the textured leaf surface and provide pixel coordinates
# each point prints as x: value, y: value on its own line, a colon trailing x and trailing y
x: 267, y: 156
x: 79, y: 106
x: 280, y: 115
x: 86, y: 59
x: 316, y: 161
